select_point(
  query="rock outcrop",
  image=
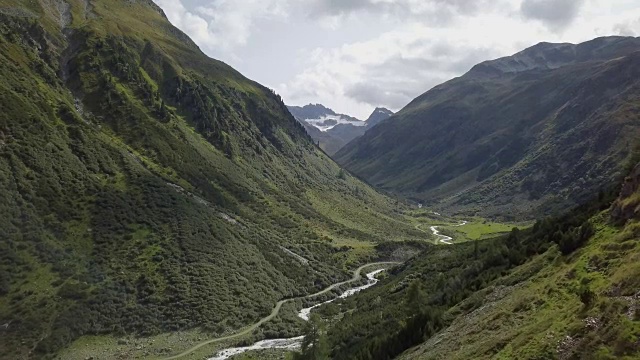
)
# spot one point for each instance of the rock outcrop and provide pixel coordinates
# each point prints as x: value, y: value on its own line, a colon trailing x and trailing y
x: 627, y: 206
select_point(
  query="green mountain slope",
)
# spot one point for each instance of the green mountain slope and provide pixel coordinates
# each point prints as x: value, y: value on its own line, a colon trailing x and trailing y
x: 565, y: 289
x: 145, y: 188
x: 514, y: 137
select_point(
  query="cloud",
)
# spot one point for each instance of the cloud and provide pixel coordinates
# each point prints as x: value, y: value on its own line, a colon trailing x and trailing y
x: 352, y: 55
x: 221, y: 25
x: 627, y: 28
x: 340, y: 7
x: 433, y: 11
x: 397, y: 80
x: 390, y: 70
x: 376, y: 95
x: 193, y: 25
x: 416, y: 7
x: 555, y: 14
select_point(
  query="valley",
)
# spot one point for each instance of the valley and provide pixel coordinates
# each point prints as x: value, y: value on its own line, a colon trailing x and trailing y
x: 193, y: 346
x: 156, y: 203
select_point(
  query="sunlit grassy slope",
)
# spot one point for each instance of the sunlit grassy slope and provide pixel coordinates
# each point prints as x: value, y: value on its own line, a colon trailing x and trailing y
x: 542, y: 310
x: 566, y: 287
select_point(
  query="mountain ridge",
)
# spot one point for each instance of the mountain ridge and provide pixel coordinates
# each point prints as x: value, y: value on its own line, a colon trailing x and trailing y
x: 476, y: 146
x: 546, y: 56
x: 332, y: 130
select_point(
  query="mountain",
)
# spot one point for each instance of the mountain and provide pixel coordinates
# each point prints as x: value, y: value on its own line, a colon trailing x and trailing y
x: 311, y: 111
x: 331, y: 130
x: 527, y: 134
x: 566, y: 288
x: 627, y: 206
x: 147, y: 189
x: 377, y: 116
x: 322, y: 117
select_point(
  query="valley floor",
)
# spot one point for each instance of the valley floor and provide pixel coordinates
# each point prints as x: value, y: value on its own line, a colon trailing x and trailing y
x: 444, y: 229
x: 197, y: 344
x: 193, y: 342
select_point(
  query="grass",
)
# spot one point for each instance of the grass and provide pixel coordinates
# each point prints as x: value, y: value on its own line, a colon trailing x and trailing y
x: 478, y: 229
x: 540, y: 307
x: 155, y: 347
x: 475, y: 228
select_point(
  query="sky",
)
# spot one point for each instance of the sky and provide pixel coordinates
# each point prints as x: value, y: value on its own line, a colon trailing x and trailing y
x: 355, y: 55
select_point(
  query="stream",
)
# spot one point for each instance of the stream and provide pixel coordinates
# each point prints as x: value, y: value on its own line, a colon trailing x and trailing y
x: 444, y: 238
x: 294, y: 343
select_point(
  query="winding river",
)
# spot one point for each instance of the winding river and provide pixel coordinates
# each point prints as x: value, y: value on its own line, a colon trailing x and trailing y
x: 292, y: 343
x: 444, y: 238
x: 295, y: 342
x: 288, y: 344
x: 306, y: 312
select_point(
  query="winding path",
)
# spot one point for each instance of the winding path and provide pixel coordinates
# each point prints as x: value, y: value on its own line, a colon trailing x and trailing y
x: 356, y: 276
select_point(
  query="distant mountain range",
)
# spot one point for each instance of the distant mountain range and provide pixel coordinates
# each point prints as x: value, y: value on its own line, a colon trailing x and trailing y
x: 525, y: 134
x: 332, y: 130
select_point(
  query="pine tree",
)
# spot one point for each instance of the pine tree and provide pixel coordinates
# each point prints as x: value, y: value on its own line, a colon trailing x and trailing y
x: 314, y: 344
x: 415, y: 298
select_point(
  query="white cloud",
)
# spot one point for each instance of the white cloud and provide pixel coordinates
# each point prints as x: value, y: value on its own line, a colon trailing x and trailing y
x: 224, y: 24
x: 628, y: 27
x: 556, y: 14
x: 434, y: 10
x: 397, y: 66
x: 192, y: 25
x: 352, y: 55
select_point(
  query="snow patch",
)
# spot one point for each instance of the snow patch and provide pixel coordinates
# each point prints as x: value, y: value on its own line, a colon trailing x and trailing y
x: 328, y: 122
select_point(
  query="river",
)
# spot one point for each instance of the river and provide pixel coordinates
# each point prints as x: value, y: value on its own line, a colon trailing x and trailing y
x: 444, y: 238
x: 293, y: 343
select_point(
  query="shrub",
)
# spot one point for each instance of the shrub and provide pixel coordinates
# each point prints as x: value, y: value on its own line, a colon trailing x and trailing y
x: 587, y: 296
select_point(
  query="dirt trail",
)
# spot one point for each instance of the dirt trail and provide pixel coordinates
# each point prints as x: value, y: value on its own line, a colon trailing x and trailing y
x: 356, y: 276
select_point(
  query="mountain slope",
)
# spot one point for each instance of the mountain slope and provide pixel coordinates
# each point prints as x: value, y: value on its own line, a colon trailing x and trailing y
x: 567, y: 288
x: 377, y: 116
x: 585, y: 306
x: 522, y: 135
x: 332, y: 131
x: 146, y: 188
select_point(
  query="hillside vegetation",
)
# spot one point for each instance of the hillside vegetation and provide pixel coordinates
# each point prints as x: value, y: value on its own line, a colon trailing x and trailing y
x: 567, y: 288
x: 515, y: 138
x: 146, y: 188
